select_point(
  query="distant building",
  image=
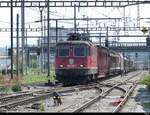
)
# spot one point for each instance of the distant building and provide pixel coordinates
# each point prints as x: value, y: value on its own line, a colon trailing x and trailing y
x: 5, y: 60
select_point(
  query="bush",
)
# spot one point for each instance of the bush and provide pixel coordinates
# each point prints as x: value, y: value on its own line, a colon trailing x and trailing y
x: 16, y: 87
x: 4, y: 89
x: 42, y: 107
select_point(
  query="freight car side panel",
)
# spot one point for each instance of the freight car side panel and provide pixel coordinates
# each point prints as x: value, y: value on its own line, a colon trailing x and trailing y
x: 103, y: 66
x: 92, y: 61
x: 121, y: 62
x: 114, y: 63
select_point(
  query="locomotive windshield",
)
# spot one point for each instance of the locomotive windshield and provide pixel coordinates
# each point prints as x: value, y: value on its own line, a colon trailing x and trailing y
x: 62, y: 51
x: 81, y: 50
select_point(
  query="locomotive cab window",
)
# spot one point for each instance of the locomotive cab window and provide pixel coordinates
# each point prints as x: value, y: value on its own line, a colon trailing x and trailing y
x: 62, y: 51
x: 81, y: 50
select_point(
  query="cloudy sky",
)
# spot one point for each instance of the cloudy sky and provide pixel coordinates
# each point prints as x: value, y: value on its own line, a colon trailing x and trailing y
x: 33, y: 14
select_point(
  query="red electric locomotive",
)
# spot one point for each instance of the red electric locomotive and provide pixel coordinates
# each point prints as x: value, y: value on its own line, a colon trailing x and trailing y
x: 74, y: 61
x: 78, y: 61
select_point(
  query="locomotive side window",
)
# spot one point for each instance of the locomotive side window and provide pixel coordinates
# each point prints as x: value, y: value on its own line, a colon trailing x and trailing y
x: 81, y: 50
x: 62, y: 51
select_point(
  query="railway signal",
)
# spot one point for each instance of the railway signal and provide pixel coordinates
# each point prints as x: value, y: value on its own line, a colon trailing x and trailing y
x: 144, y: 30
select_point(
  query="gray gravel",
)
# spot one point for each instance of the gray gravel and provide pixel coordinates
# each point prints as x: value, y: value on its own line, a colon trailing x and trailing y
x: 69, y: 99
x: 135, y: 102
x: 73, y: 100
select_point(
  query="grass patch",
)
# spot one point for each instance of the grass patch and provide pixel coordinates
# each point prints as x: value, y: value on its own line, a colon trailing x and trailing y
x: 146, y: 80
x: 34, y: 75
x: 31, y: 79
x: 31, y: 76
x: 146, y: 105
x: 34, y: 79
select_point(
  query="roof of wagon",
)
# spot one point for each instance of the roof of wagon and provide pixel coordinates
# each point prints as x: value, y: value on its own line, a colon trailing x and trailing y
x: 75, y: 42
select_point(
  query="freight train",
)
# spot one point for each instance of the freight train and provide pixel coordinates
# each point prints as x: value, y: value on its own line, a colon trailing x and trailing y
x: 78, y: 61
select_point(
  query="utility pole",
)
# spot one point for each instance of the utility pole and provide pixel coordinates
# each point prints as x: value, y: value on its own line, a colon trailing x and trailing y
x: 56, y: 31
x: 11, y: 18
x: 17, y: 64
x: 22, y: 24
x: 6, y: 57
x: 100, y: 39
x: 75, y: 18
x: 48, y: 27
x: 87, y: 27
x: 41, y: 18
x: 44, y: 41
x: 28, y: 53
x: 138, y: 16
x: 26, y: 49
x: 106, y: 42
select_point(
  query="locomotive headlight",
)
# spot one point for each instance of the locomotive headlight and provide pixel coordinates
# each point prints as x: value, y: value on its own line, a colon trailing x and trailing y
x: 61, y: 66
x: 54, y: 97
x: 81, y: 66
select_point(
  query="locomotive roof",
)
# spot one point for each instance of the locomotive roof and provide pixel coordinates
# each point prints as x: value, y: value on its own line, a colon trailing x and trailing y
x: 76, y: 42
x: 98, y: 46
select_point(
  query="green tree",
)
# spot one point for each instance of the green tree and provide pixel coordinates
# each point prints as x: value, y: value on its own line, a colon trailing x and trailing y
x: 34, y: 63
x: 20, y: 63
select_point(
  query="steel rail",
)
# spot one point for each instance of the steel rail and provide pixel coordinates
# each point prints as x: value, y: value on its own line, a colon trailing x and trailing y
x: 8, y: 98
x: 118, y: 108
x: 43, y: 96
x: 84, y: 106
x: 100, y: 90
x: 127, y: 95
x: 22, y: 94
x: 49, y: 93
x: 131, y: 77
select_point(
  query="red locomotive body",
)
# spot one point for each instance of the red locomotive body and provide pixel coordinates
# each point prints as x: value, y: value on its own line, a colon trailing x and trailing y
x: 75, y: 60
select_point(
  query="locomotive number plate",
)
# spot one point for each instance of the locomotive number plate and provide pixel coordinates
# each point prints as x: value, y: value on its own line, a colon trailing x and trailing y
x: 71, y: 65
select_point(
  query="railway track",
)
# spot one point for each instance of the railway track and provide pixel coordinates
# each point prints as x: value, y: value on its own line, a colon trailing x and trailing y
x: 123, y: 81
x: 129, y: 92
x: 22, y: 99
x: 127, y: 95
x: 104, y: 94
